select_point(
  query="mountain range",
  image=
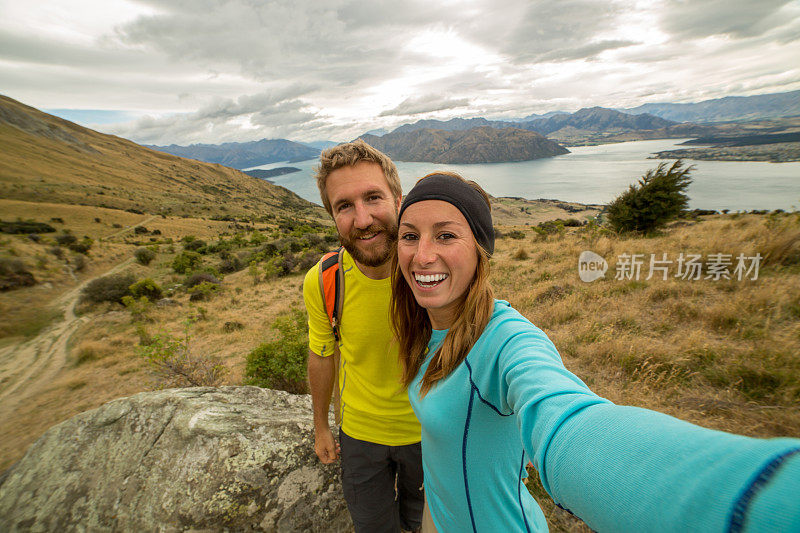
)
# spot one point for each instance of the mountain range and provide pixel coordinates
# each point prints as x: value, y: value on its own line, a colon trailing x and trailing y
x: 476, y: 145
x: 48, y: 157
x: 730, y: 108
x: 243, y: 155
x: 590, y: 119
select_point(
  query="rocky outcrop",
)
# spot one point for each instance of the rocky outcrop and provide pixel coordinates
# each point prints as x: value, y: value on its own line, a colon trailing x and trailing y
x: 201, y: 459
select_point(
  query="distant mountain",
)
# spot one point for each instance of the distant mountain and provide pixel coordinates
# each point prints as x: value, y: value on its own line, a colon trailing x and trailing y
x: 476, y: 145
x: 454, y: 124
x: 594, y: 119
x: 377, y: 131
x: 730, y: 108
x: 49, y: 159
x: 321, y: 145
x: 244, y: 155
x: 543, y: 115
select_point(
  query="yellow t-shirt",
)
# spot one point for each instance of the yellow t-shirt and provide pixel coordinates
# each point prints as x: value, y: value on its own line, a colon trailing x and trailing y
x: 375, y: 407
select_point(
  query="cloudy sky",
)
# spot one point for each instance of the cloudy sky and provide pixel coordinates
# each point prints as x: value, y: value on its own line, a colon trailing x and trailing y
x: 187, y: 71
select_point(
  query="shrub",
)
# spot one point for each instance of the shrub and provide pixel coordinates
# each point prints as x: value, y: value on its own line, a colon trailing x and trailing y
x: 203, y: 291
x: 281, y: 364
x: 146, y: 288
x: 108, y: 288
x: 66, y: 239
x: 139, y: 307
x: 140, y: 230
x: 78, y: 262
x: 515, y: 234
x: 82, y: 247
x: 230, y: 264
x: 185, y: 262
x: 658, y: 198
x: 198, y: 278
x: 20, y: 227
x: 230, y: 327
x: 144, y: 256
x: 14, y: 274
x: 521, y: 255
x: 174, y: 365
x: 195, y: 245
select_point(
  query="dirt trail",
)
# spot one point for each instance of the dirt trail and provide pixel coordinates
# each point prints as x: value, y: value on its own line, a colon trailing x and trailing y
x: 129, y: 228
x: 29, y: 366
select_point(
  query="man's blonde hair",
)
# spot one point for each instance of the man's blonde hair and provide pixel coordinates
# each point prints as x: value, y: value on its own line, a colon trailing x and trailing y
x: 349, y: 154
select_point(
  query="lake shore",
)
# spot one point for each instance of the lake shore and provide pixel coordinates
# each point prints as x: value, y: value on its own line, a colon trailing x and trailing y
x: 773, y: 153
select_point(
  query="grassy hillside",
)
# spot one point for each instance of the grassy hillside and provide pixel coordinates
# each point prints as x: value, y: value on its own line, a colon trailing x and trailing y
x: 45, y: 157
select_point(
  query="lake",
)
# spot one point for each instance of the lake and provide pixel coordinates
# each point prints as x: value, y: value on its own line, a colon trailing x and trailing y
x: 597, y: 174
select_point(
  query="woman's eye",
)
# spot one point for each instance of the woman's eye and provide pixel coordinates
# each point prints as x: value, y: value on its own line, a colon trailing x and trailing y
x: 445, y: 236
x: 408, y: 236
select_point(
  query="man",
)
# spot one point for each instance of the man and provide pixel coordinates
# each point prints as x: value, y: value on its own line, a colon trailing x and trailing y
x: 379, y: 439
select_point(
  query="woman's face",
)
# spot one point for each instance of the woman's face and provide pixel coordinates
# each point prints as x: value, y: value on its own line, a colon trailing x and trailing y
x: 438, y: 256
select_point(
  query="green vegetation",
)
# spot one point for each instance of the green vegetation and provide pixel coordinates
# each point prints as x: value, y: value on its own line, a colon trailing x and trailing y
x: 281, y: 364
x: 174, y: 365
x: 144, y: 256
x: 658, y: 198
x: 108, y: 289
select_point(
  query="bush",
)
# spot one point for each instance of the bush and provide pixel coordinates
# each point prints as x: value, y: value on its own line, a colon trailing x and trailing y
x: 185, y: 262
x: 146, y: 288
x: 203, y: 291
x: 230, y: 264
x: 281, y: 364
x: 19, y: 227
x: 14, y: 274
x: 108, y: 288
x: 198, y: 278
x: 140, y: 230
x: 78, y: 262
x: 658, y: 198
x: 174, y: 365
x: 66, y: 239
x: 82, y: 247
x: 144, y: 256
x: 195, y: 245
x: 515, y: 234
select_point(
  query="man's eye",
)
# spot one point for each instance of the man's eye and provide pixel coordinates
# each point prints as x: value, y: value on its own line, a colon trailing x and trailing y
x: 342, y: 207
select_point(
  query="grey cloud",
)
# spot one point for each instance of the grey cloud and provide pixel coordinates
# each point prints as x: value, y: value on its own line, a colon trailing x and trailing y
x: 269, y: 114
x: 564, y: 30
x: 425, y: 104
x: 739, y: 18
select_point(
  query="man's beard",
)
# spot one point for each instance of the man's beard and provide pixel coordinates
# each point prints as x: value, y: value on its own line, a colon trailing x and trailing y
x: 376, y: 255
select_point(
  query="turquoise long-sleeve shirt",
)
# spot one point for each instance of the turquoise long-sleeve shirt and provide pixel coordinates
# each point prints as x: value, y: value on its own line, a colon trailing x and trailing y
x: 617, y: 468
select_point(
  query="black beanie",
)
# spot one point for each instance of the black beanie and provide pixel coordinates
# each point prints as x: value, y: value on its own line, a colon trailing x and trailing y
x: 454, y: 191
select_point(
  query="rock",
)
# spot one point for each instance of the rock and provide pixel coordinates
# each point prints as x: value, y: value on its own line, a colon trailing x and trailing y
x: 200, y: 459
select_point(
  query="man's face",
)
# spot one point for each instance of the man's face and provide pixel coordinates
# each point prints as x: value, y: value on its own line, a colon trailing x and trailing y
x: 365, y: 212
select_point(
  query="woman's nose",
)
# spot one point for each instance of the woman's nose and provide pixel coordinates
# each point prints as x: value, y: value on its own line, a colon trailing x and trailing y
x: 425, y: 253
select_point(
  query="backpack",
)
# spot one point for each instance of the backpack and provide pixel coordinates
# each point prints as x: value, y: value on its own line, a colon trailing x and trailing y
x: 331, y: 285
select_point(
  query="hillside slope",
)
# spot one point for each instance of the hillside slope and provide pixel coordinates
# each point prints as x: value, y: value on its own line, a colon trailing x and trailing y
x: 45, y: 158
x: 477, y: 145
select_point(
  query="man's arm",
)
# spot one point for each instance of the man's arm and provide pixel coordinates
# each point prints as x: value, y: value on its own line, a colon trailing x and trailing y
x: 321, y: 373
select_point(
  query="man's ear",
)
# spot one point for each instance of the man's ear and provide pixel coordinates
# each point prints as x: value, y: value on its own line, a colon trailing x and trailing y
x: 398, y: 202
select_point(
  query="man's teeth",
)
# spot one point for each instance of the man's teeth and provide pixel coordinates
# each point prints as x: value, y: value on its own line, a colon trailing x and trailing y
x: 366, y: 237
x: 430, y: 278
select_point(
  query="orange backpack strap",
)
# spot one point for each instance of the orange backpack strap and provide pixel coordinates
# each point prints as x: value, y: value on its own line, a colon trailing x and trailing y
x: 331, y: 284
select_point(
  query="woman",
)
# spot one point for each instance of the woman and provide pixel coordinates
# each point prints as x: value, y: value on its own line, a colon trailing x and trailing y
x: 491, y: 393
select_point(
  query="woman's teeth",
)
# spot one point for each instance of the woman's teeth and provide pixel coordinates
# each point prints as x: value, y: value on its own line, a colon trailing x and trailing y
x: 430, y: 279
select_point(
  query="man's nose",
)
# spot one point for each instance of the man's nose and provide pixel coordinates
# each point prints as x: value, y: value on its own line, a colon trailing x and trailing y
x: 363, y: 218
